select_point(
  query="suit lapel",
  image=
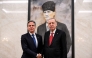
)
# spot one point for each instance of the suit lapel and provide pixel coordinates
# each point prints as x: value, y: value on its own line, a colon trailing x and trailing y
x: 48, y: 34
x: 55, y: 36
x: 30, y: 39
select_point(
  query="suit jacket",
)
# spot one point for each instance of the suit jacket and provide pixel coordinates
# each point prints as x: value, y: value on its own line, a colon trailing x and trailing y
x: 28, y: 46
x: 42, y: 29
x: 57, y: 49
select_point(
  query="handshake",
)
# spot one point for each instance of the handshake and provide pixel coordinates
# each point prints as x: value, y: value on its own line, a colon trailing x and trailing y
x: 39, y: 55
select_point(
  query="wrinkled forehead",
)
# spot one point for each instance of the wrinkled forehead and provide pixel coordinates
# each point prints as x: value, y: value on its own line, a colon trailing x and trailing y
x: 51, y: 20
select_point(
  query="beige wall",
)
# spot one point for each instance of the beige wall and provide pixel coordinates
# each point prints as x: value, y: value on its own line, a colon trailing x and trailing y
x: 13, y: 20
x: 83, y: 29
x: 12, y: 24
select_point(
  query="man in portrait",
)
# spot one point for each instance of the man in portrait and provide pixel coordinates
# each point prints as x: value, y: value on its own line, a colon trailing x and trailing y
x: 49, y: 12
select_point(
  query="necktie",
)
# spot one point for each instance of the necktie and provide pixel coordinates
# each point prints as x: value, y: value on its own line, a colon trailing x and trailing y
x: 34, y: 39
x: 50, y: 38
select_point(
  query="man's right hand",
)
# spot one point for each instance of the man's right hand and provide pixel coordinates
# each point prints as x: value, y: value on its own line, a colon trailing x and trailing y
x: 39, y: 55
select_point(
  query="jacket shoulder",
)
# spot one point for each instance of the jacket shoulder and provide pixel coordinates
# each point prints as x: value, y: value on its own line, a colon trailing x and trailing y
x: 24, y: 34
x: 47, y: 32
x: 58, y: 30
x: 38, y: 35
x: 59, y: 23
x: 42, y: 25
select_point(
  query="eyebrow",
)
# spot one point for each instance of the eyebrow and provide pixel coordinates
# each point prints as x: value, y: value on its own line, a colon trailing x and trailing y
x: 31, y: 25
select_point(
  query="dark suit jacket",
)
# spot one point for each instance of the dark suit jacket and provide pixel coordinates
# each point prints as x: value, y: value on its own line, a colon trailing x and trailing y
x: 42, y: 29
x: 28, y: 46
x: 57, y: 49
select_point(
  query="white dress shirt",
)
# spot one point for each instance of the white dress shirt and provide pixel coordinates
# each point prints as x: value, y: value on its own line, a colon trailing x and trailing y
x: 53, y: 32
x: 35, y: 38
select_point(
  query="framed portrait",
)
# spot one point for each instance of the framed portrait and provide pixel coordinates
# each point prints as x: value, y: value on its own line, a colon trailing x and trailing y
x: 64, y: 14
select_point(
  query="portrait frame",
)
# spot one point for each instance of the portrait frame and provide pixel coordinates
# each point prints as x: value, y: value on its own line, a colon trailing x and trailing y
x: 72, y: 23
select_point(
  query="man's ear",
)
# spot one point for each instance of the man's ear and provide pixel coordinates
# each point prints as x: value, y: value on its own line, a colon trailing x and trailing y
x: 56, y: 23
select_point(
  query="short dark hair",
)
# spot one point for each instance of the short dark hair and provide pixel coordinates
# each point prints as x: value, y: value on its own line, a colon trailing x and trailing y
x: 31, y: 21
x: 49, y: 5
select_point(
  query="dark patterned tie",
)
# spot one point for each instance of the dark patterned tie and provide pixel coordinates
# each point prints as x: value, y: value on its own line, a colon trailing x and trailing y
x: 34, y: 39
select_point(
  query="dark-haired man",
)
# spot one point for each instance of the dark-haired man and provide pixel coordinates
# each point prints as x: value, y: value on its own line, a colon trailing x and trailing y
x: 31, y: 42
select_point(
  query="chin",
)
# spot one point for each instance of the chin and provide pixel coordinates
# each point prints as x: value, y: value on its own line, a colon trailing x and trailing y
x: 51, y: 29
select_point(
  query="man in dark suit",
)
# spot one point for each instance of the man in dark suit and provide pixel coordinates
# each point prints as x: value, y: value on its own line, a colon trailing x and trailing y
x: 54, y: 42
x: 49, y: 12
x: 31, y: 42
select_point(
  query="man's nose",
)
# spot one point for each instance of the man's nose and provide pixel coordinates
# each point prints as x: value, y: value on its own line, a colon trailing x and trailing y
x: 51, y: 24
x: 46, y: 13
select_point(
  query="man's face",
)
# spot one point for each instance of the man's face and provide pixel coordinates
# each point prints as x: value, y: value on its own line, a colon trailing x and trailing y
x: 31, y: 27
x: 48, y: 14
x: 52, y: 24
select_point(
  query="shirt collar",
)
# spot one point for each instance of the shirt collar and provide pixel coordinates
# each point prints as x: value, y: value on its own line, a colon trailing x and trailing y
x: 31, y: 33
x: 53, y: 31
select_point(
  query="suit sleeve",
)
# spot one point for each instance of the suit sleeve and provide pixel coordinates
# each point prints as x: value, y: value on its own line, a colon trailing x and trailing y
x: 40, y: 45
x: 64, y: 45
x: 25, y: 47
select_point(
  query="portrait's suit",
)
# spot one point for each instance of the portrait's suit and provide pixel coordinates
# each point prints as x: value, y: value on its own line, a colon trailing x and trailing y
x: 42, y: 29
x: 28, y: 46
x: 57, y: 49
